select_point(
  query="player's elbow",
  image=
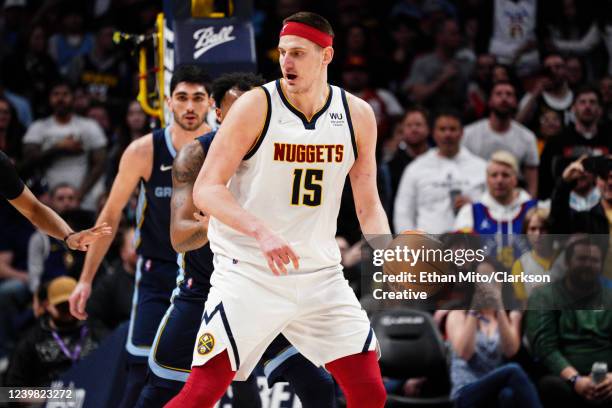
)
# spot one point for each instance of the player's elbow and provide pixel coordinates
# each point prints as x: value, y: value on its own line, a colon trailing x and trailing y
x: 365, y: 211
x: 200, y: 193
x: 364, y: 214
x: 175, y: 239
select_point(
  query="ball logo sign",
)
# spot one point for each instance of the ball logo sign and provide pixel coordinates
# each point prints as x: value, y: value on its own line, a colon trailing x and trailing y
x: 206, y: 38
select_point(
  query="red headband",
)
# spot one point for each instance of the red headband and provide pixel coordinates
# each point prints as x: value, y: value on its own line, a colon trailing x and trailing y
x: 305, y: 31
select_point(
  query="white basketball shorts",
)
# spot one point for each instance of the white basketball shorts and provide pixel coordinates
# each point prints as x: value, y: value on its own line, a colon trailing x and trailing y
x: 247, y: 308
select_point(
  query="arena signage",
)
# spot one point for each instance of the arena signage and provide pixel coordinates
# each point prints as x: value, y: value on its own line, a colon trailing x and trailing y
x: 220, y: 46
x: 206, y: 38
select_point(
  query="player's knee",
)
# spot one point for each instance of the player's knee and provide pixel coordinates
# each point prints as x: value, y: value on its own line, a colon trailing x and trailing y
x: 360, y: 380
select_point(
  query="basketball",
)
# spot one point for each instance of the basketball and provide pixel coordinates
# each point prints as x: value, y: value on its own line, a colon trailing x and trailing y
x: 425, y: 263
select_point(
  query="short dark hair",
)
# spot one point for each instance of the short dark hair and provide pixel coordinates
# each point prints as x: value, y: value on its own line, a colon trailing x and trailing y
x: 61, y: 185
x: 243, y: 81
x: 62, y: 82
x: 586, y: 89
x: 311, y: 19
x: 544, y: 57
x: 448, y: 113
x: 588, y: 240
x: 190, y: 73
x: 95, y: 104
x: 417, y: 109
x: 496, y: 84
x: 440, y: 25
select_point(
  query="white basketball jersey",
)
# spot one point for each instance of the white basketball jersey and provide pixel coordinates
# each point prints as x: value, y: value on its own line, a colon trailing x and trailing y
x: 292, y: 179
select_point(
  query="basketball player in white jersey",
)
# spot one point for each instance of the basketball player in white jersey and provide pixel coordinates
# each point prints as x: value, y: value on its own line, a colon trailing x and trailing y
x: 272, y: 184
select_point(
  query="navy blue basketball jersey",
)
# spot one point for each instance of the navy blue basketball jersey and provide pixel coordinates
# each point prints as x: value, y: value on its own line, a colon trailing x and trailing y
x: 198, y: 264
x: 206, y: 140
x: 502, y: 239
x: 153, y: 212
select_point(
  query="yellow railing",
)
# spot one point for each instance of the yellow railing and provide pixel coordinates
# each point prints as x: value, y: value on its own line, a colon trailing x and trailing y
x: 206, y: 9
x: 143, y: 71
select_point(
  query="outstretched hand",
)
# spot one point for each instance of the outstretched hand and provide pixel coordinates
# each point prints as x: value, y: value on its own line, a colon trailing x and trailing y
x: 82, y: 239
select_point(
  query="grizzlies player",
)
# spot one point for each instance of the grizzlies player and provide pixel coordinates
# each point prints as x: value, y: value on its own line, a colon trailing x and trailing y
x: 272, y: 184
x: 147, y: 162
x: 171, y: 355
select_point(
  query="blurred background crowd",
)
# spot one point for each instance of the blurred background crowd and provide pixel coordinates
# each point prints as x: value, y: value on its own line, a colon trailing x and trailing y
x: 490, y: 113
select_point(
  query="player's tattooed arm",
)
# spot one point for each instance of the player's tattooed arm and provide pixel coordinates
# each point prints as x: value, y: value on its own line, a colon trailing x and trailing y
x: 188, y: 228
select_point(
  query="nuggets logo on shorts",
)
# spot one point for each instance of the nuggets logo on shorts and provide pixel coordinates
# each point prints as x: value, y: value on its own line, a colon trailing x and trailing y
x: 206, y: 343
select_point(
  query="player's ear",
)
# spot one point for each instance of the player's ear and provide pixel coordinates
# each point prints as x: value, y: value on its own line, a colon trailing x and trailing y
x: 218, y: 114
x: 169, y: 102
x: 328, y: 55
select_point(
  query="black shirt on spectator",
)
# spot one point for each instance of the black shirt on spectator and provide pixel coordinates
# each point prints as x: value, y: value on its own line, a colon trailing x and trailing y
x: 111, y: 299
x: 565, y: 220
x: 11, y: 185
x: 565, y: 148
x: 39, y: 358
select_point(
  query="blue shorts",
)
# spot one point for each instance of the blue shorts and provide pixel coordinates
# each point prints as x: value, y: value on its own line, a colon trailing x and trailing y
x: 155, y: 280
x: 172, y: 352
x: 275, y: 358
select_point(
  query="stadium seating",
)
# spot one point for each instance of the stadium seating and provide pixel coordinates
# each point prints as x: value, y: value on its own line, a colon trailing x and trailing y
x: 412, y: 347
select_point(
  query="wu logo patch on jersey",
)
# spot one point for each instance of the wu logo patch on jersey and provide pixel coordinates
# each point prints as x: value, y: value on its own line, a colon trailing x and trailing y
x: 206, y: 38
x: 337, y: 118
x: 206, y: 343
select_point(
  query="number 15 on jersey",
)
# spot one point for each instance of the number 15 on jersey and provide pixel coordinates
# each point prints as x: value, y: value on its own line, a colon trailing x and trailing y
x: 310, y: 191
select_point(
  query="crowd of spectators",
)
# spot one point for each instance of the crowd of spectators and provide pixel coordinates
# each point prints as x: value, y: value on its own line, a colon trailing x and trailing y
x: 489, y: 113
